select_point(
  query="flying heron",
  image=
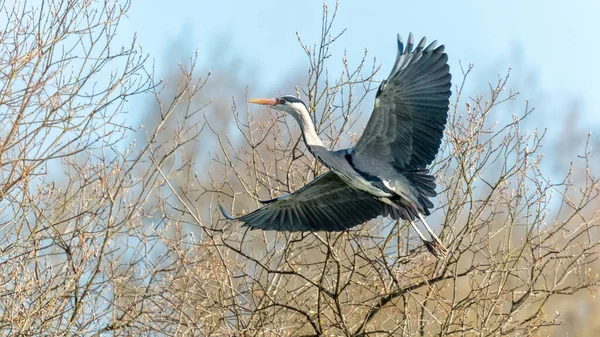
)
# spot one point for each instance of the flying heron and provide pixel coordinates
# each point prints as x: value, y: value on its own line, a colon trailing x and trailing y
x: 385, y: 173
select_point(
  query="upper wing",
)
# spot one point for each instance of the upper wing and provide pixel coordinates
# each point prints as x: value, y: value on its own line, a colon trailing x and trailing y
x: 326, y: 203
x: 411, y: 108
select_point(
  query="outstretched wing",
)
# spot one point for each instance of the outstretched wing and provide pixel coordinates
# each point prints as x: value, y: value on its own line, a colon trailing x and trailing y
x: 411, y: 108
x: 325, y: 204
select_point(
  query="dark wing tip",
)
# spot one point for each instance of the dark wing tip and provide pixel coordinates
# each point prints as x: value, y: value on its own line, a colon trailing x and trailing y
x: 421, y: 45
x: 400, y: 44
x: 264, y: 202
x: 431, y: 47
x: 225, y: 213
x: 410, y: 43
x: 402, y: 49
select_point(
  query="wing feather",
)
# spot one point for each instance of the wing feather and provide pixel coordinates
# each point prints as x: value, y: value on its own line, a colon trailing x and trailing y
x: 327, y: 203
x: 411, y: 108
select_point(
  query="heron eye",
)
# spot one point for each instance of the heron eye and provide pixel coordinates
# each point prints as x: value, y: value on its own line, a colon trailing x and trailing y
x: 281, y: 101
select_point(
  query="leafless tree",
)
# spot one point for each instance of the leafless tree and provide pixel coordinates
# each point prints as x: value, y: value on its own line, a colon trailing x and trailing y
x: 112, y: 229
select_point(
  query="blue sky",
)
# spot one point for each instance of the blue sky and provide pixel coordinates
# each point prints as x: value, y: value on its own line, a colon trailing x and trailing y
x: 552, y: 46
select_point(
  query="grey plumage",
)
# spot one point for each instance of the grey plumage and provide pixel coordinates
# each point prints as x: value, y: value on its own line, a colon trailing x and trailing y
x: 386, y: 172
x: 326, y: 203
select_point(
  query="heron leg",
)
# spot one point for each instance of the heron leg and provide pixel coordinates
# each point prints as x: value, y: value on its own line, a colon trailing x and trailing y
x: 423, y: 238
x: 429, y: 230
x: 439, y: 247
x: 435, y: 247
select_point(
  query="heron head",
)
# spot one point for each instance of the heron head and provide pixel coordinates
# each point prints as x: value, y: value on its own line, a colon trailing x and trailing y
x: 290, y: 104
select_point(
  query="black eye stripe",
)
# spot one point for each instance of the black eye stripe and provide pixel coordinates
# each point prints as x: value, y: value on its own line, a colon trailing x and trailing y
x: 292, y: 99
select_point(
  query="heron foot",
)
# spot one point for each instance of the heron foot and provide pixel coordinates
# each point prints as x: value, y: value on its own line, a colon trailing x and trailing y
x: 436, y: 248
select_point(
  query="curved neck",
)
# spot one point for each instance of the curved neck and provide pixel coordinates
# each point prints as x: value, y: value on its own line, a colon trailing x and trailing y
x: 308, y: 131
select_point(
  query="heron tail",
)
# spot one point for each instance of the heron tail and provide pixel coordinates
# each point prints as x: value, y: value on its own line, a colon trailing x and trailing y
x: 425, y: 185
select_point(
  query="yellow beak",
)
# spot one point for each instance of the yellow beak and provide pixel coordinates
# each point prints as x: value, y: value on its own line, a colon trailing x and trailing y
x: 263, y: 101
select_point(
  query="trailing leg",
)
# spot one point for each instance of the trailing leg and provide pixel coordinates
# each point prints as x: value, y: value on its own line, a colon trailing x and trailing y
x: 435, y: 247
x: 439, y: 246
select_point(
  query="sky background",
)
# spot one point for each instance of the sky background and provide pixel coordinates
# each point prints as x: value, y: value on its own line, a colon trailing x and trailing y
x: 552, y: 47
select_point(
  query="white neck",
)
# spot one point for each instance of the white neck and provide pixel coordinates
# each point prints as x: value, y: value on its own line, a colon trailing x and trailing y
x: 308, y: 130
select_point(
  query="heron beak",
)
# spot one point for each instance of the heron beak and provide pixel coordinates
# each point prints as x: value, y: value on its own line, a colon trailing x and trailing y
x: 263, y: 101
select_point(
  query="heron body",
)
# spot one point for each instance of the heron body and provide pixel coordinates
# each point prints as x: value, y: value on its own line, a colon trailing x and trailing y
x: 385, y: 173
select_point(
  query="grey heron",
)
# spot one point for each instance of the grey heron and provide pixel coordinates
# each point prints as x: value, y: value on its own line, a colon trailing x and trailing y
x: 386, y: 172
